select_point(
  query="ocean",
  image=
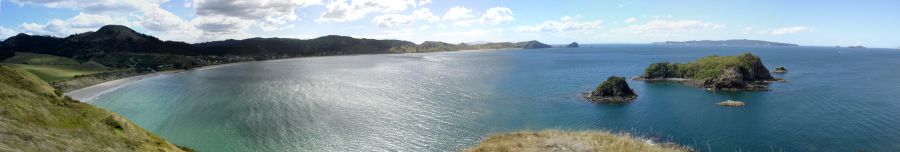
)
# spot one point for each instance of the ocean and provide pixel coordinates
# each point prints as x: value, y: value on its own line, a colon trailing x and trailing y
x: 835, y: 99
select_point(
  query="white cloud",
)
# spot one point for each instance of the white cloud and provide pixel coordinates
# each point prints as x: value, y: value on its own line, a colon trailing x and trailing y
x: 564, y: 24
x: 458, y: 13
x: 95, y: 6
x: 497, y: 15
x: 268, y: 14
x: 222, y: 27
x: 666, y: 26
x: 5, y: 33
x: 630, y: 20
x: 790, y: 30
x: 341, y: 11
x: 391, y: 20
x: 82, y: 22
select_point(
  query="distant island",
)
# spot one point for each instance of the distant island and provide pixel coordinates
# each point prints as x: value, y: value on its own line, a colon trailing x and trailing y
x: 856, y: 47
x: 735, y: 42
x: 573, y: 45
x: 122, y: 52
x: 731, y: 73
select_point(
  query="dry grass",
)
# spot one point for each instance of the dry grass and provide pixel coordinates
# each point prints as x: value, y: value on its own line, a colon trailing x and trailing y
x: 732, y: 103
x: 35, y: 117
x: 555, y: 140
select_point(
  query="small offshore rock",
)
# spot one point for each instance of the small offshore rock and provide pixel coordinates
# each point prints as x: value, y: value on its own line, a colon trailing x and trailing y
x: 613, y: 90
x: 780, y: 69
x: 732, y: 103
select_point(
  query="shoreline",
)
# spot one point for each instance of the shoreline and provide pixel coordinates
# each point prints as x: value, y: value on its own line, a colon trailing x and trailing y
x: 94, y: 91
x: 91, y: 92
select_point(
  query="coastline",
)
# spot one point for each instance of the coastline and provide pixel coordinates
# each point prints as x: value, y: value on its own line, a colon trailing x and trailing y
x: 94, y: 91
x: 91, y: 92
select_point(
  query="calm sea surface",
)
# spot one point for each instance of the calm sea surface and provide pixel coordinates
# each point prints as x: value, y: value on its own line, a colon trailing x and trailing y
x: 837, y: 99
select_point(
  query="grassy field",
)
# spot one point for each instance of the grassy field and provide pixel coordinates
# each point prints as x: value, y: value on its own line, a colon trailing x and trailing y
x: 52, y: 68
x: 555, y: 140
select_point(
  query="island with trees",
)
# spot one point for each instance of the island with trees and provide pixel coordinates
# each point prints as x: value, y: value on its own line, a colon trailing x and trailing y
x: 613, y: 90
x: 744, y: 72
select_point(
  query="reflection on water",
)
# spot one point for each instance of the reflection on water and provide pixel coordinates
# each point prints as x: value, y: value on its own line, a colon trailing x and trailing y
x: 448, y: 101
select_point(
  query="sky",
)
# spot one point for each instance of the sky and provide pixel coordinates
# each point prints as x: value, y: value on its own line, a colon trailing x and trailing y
x: 806, y: 22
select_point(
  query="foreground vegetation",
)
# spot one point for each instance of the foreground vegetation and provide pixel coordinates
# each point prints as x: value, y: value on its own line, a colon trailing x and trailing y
x: 555, y: 140
x: 36, y: 117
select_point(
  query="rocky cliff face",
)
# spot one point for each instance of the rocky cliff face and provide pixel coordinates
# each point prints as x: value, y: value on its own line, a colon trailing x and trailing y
x: 613, y: 90
x: 36, y: 117
x: 736, y: 73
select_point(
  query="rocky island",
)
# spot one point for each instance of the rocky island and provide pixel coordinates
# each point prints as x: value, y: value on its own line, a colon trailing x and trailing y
x: 729, y: 73
x: 572, y: 45
x: 613, y: 90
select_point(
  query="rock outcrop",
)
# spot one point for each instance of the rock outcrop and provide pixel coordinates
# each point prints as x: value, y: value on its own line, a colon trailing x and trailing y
x: 613, y: 90
x: 732, y: 103
x: 572, y: 45
x: 780, y: 69
x: 733, y: 73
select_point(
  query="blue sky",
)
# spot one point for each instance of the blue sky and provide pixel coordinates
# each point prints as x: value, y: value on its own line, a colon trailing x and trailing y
x: 806, y: 22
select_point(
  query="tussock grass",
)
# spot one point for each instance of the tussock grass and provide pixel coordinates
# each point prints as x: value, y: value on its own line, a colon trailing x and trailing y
x: 36, y: 117
x: 556, y: 140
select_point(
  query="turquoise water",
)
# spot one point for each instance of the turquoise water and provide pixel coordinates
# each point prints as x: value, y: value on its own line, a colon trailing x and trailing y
x: 837, y: 100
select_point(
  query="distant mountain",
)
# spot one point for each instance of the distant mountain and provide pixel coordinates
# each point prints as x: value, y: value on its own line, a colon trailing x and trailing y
x: 533, y: 44
x: 121, y: 47
x: 736, y: 42
x: 572, y: 45
x: 108, y: 39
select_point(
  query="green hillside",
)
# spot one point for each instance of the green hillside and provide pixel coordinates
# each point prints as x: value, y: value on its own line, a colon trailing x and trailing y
x: 52, y: 68
x: 36, y: 117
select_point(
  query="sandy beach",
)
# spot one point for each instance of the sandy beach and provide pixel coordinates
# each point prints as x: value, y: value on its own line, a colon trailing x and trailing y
x: 85, y: 94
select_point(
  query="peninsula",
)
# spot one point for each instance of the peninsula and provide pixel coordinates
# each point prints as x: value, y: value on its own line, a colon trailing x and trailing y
x: 734, y: 42
x: 731, y: 73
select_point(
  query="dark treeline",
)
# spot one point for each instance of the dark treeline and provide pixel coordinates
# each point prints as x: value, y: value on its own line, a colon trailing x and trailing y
x: 121, y: 47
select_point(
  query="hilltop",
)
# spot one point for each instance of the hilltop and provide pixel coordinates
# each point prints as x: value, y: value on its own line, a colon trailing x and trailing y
x: 121, y: 47
x: 123, y: 52
x: 36, y: 117
x: 735, y: 42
